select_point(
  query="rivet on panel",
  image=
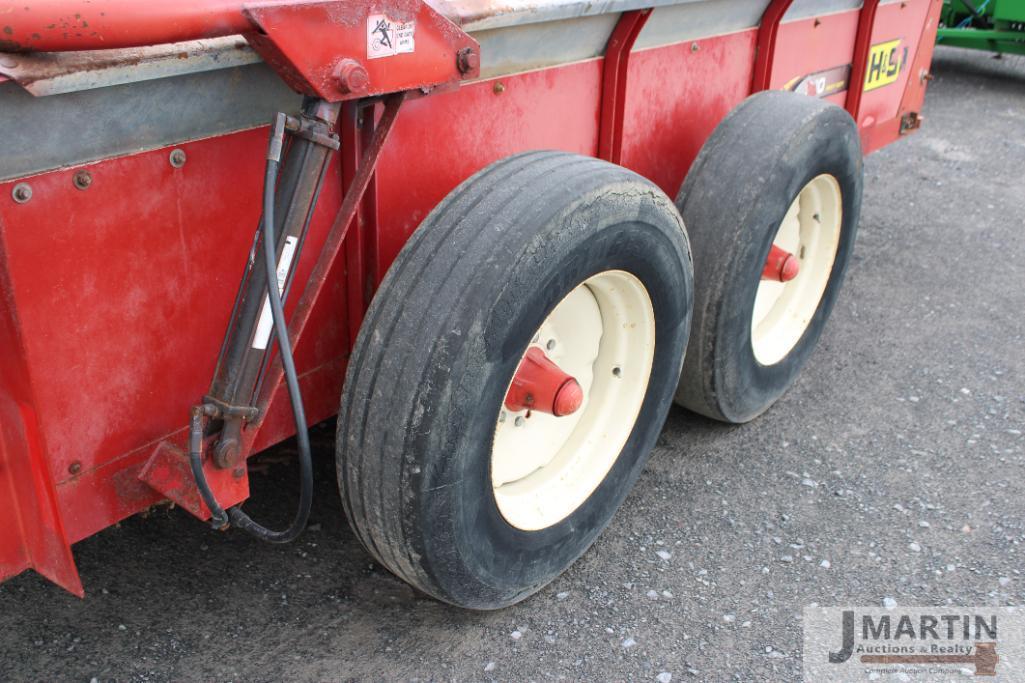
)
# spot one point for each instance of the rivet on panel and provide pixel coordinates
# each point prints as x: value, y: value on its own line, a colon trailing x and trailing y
x: 21, y: 193
x: 177, y: 158
x: 82, y: 180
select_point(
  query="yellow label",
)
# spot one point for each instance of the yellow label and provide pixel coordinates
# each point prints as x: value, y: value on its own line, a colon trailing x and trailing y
x: 885, y: 62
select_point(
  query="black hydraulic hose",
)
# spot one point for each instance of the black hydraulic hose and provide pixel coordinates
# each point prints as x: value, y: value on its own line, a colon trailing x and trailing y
x: 218, y: 518
x: 302, y: 514
x: 973, y: 10
x: 235, y: 514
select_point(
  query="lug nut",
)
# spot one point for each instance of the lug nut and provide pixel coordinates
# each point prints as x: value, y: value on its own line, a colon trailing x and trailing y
x: 352, y: 77
x: 550, y: 345
x: 518, y: 421
x: 177, y: 158
x: 82, y: 180
x: 467, y: 60
x: 21, y: 193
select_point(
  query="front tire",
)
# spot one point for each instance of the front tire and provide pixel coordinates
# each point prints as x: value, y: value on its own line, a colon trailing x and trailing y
x: 425, y: 398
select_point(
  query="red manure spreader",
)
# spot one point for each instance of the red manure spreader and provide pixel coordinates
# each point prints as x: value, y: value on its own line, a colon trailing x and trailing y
x: 504, y: 237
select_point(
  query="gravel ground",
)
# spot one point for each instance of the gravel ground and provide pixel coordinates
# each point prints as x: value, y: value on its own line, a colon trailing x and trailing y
x: 892, y: 470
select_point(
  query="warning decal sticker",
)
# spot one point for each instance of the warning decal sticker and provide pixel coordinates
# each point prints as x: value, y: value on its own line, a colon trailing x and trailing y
x: 386, y: 37
x: 822, y: 83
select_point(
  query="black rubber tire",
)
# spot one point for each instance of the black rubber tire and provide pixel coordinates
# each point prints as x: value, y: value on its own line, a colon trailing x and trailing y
x: 441, y: 342
x: 733, y: 201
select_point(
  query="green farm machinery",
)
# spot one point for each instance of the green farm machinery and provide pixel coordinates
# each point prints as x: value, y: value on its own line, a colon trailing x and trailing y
x: 993, y: 25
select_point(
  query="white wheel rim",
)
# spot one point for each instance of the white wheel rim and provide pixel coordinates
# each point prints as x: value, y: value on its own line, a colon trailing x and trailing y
x: 811, y: 232
x: 544, y: 467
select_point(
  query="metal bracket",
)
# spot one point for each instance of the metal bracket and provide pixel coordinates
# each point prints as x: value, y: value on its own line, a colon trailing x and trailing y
x: 312, y: 130
x: 220, y: 409
x: 331, y: 50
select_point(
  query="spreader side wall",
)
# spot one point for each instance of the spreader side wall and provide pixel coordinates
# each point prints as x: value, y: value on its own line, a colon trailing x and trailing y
x: 117, y: 296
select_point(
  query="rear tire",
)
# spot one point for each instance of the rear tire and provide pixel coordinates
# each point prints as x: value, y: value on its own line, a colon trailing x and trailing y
x: 443, y: 337
x: 782, y: 168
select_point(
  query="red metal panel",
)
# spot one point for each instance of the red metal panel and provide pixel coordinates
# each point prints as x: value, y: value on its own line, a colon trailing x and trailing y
x: 807, y: 46
x: 615, y: 69
x: 817, y: 43
x: 32, y: 532
x: 440, y: 141
x: 678, y: 95
x: 124, y: 291
x: 914, y: 22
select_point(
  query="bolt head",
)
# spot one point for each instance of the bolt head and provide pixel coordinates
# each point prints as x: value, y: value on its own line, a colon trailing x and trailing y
x: 227, y: 453
x: 518, y: 421
x: 75, y: 467
x: 21, y: 193
x: 177, y: 158
x: 352, y: 77
x: 82, y: 180
x: 467, y: 60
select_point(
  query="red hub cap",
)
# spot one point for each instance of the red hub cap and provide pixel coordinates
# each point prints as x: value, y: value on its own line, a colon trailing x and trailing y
x: 539, y: 384
x: 780, y: 266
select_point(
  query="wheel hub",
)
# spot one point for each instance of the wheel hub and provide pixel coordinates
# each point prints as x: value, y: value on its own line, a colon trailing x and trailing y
x: 573, y: 400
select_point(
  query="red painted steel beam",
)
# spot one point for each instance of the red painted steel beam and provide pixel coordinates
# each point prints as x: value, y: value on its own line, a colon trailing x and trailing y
x: 859, y: 62
x: 65, y: 25
x: 614, y: 75
x: 765, y: 45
